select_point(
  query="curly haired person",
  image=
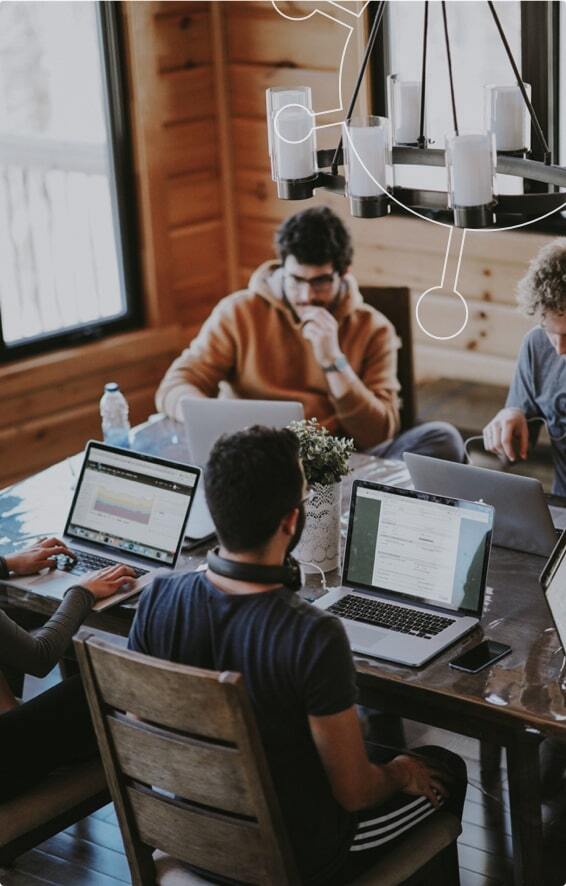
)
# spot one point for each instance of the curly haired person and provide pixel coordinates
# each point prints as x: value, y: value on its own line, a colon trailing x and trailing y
x: 538, y: 389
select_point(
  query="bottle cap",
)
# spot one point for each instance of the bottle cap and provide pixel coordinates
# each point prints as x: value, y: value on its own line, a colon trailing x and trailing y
x: 111, y: 387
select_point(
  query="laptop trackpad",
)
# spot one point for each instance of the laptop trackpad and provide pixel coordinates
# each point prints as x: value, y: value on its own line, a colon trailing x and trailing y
x: 50, y: 584
x: 363, y: 638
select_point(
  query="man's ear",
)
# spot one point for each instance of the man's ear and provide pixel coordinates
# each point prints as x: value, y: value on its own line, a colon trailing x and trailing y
x: 289, y: 522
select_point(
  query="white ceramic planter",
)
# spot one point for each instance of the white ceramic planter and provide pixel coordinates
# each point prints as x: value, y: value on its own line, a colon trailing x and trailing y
x: 320, y: 541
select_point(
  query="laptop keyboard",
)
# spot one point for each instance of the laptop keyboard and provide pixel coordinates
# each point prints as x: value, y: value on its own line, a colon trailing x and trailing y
x: 91, y: 563
x: 387, y: 615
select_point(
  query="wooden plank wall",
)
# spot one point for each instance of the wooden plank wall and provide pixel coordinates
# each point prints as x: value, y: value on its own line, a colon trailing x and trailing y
x: 265, y: 49
x: 51, y: 402
x: 173, y: 65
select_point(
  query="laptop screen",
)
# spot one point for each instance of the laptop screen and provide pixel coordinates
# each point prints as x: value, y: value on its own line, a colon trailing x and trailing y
x: 426, y: 548
x: 132, y: 502
x: 553, y: 580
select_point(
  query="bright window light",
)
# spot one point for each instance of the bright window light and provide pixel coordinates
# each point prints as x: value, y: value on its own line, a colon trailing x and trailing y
x: 60, y: 253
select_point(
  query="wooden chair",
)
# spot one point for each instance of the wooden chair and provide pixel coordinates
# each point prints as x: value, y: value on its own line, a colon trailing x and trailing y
x: 190, y: 782
x: 395, y: 304
x: 57, y: 802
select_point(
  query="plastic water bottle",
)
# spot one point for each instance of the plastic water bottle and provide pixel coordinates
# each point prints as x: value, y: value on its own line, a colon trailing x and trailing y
x: 114, y: 414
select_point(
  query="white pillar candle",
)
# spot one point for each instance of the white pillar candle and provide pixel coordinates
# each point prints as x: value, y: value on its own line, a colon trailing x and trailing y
x: 507, y: 116
x: 294, y: 143
x: 369, y: 143
x: 470, y: 163
x: 404, y: 110
x: 290, y: 127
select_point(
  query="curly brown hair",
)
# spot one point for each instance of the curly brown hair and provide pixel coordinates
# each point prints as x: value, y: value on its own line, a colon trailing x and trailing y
x: 543, y: 288
x: 315, y: 236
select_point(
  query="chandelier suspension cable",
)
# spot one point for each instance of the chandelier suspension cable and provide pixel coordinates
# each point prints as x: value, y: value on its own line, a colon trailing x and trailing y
x: 371, y: 40
x: 521, y: 85
x: 450, y: 74
x: 422, y: 141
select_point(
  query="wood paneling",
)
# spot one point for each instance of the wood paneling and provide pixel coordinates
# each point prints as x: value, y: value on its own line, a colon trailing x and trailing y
x: 264, y: 37
x: 192, y: 249
x: 250, y: 143
x: 182, y: 38
x: 186, y: 95
x: 491, y: 329
x: 248, y: 83
x: 192, y: 198
x: 189, y: 147
x: 55, y: 398
x: 33, y: 445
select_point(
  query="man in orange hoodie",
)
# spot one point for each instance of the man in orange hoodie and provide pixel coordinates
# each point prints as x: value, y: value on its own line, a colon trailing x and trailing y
x: 301, y: 331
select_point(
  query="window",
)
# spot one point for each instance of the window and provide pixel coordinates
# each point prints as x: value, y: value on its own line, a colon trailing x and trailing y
x: 478, y: 58
x: 65, y: 241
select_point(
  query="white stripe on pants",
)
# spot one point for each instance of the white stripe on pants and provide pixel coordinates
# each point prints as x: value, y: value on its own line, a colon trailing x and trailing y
x: 381, y: 829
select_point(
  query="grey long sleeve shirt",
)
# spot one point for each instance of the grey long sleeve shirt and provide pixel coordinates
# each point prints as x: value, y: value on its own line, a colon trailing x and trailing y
x: 39, y: 652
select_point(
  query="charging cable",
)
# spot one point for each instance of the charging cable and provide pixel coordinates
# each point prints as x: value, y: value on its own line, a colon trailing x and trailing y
x: 318, y: 569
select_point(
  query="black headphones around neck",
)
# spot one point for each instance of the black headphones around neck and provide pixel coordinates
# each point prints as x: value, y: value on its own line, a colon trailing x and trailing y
x: 289, y: 574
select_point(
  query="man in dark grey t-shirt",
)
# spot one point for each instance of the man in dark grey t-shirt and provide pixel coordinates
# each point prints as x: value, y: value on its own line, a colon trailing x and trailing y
x: 538, y: 389
x: 341, y: 810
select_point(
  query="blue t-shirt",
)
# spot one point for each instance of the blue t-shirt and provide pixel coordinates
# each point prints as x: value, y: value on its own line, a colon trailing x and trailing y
x: 539, y: 389
x: 295, y: 660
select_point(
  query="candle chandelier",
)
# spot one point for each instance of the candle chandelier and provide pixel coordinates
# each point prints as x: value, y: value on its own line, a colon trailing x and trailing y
x: 370, y: 147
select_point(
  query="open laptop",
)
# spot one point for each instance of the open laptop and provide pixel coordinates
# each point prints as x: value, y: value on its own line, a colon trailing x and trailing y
x: 523, y: 521
x: 553, y: 582
x: 206, y: 419
x: 127, y: 508
x: 414, y: 572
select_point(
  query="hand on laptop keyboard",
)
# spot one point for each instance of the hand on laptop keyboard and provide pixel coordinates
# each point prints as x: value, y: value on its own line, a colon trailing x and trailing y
x: 43, y: 555
x: 109, y: 581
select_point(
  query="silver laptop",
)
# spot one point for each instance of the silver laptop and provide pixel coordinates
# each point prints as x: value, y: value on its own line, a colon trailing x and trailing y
x: 206, y: 419
x: 127, y: 508
x: 522, y: 518
x: 414, y: 572
x: 553, y: 582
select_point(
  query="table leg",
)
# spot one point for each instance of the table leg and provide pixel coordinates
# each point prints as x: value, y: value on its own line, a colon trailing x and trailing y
x: 524, y: 795
x: 490, y: 760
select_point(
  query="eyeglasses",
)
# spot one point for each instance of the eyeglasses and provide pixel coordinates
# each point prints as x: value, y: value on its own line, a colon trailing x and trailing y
x: 322, y: 284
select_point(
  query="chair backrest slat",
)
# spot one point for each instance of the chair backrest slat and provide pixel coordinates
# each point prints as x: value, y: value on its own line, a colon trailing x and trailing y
x: 165, y: 727
x: 198, y: 771
x: 395, y: 304
x: 196, y: 837
x: 153, y: 689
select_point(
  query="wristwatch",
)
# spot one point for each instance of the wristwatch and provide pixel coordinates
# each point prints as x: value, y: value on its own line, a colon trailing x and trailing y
x: 339, y: 365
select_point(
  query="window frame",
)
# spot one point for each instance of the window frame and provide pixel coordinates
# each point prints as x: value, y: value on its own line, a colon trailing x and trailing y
x: 123, y: 196
x: 540, y: 66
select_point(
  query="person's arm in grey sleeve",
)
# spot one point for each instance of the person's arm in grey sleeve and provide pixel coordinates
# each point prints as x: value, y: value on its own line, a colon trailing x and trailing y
x: 521, y: 393
x: 38, y: 652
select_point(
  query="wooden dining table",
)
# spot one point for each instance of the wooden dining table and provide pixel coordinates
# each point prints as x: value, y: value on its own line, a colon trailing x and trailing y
x: 514, y: 704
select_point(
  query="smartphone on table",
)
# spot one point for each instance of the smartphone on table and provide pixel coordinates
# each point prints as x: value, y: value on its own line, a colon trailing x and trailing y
x: 480, y: 657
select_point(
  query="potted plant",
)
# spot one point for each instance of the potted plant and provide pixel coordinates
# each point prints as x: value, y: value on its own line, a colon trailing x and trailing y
x: 325, y: 462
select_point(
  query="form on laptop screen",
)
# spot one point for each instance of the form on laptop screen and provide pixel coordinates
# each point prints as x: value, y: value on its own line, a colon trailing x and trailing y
x: 431, y: 549
x: 133, y: 504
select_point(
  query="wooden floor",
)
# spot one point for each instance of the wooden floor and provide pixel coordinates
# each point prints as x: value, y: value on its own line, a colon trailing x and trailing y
x: 91, y: 852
